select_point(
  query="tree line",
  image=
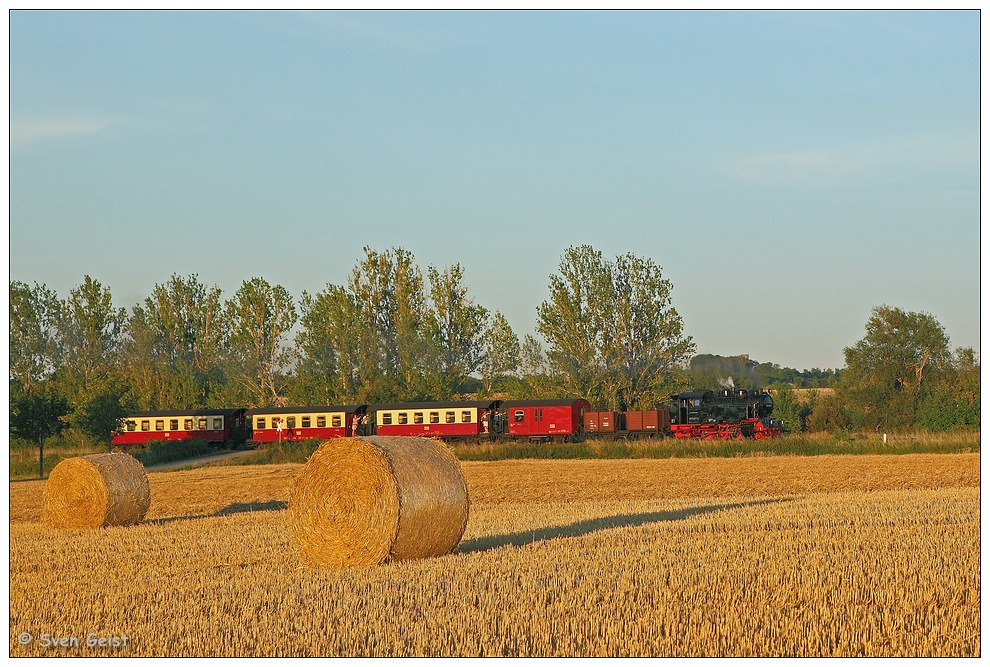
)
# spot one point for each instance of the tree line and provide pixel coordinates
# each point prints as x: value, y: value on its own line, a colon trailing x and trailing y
x: 393, y: 333
x: 389, y: 333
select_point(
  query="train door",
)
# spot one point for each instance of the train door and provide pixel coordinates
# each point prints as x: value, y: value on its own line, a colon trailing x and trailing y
x: 518, y: 422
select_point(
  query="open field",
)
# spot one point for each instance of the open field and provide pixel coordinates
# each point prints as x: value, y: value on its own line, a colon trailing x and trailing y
x: 776, y: 556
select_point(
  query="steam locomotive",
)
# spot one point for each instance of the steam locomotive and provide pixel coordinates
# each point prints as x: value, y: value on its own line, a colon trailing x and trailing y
x: 729, y: 414
x: 723, y: 415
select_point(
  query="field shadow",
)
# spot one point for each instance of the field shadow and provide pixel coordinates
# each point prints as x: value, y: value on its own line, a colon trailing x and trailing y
x: 588, y: 526
x: 233, y: 508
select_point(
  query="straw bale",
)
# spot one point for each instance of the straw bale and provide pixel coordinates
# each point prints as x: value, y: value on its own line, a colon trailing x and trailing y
x: 96, y: 491
x: 371, y: 500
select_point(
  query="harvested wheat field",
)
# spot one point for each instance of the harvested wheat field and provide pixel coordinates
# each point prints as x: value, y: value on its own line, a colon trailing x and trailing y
x: 774, y: 556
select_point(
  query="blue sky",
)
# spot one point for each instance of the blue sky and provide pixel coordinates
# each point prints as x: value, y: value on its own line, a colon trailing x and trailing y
x: 788, y: 170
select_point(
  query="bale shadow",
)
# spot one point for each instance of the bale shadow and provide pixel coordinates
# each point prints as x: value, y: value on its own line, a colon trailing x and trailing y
x: 492, y: 542
x: 234, y: 508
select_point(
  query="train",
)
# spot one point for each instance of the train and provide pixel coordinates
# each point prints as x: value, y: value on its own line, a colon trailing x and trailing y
x: 726, y: 414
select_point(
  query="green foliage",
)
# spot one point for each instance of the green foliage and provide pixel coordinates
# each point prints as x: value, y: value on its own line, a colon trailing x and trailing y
x: 34, y: 347
x: 100, y: 415
x: 259, y: 317
x: 174, y: 349
x: 168, y: 451
x: 890, y: 368
x: 611, y: 335
x: 827, y: 414
x: 456, y: 328
x: 501, y: 357
x: 381, y: 338
x: 90, y: 335
x: 612, y: 332
x: 37, y: 415
x: 954, y: 400
x: 789, y: 410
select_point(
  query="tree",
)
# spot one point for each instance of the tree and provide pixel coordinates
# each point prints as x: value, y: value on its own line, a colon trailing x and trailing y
x: 827, y: 414
x: 329, y: 346
x: 611, y: 330
x: 539, y: 377
x: 100, y: 416
x: 90, y: 335
x: 33, y: 334
x: 456, y: 330
x: 175, y: 344
x: 954, y: 399
x: 788, y: 409
x: 888, y: 371
x: 395, y: 354
x: 38, y: 415
x: 649, y: 342
x: 501, y: 357
x: 259, y: 317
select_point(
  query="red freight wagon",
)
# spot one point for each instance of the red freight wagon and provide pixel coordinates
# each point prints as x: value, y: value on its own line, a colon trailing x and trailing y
x: 314, y: 422
x: 440, y: 419
x: 217, y: 426
x: 545, y: 418
x: 602, y: 422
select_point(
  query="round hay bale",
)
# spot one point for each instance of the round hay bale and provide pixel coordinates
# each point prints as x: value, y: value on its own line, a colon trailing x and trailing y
x: 370, y: 500
x: 95, y: 491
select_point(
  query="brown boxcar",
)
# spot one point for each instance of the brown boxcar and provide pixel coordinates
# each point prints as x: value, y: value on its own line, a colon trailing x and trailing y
x: 648, y: 422
x: 601, y: 422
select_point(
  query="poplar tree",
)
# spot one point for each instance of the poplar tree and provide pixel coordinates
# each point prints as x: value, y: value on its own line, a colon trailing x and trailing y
x: 259, y: 318
x: 612, y: 333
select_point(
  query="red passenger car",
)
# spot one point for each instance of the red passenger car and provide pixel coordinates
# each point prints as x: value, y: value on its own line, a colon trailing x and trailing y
x: 551, y: 418
x: 440, y: 419
x: 316, y: 422
x: 217, y: 426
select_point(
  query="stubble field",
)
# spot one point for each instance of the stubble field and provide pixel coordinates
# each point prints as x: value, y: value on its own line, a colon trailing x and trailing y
x: 768, y: 556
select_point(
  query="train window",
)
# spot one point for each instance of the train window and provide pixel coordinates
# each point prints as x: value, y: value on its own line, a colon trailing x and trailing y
x: 290, y: 422
x: 321, y: 421
x: 386, y: 418
x: 131, y: 425
x: 434, y: 417
x: 403, y: 418
x: 336, y: 421
x: 145, y: 425
x: 159, y: 424
x: 218, y: 423
x: 417, y: 417
x: 259, y: 423
x: 465, y: 416
x: 201, y: 424
x: 519, y: 415
x: 306, y: 421
x: 451, y: 417
x: 173, y: 424
x: 187, y: 425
